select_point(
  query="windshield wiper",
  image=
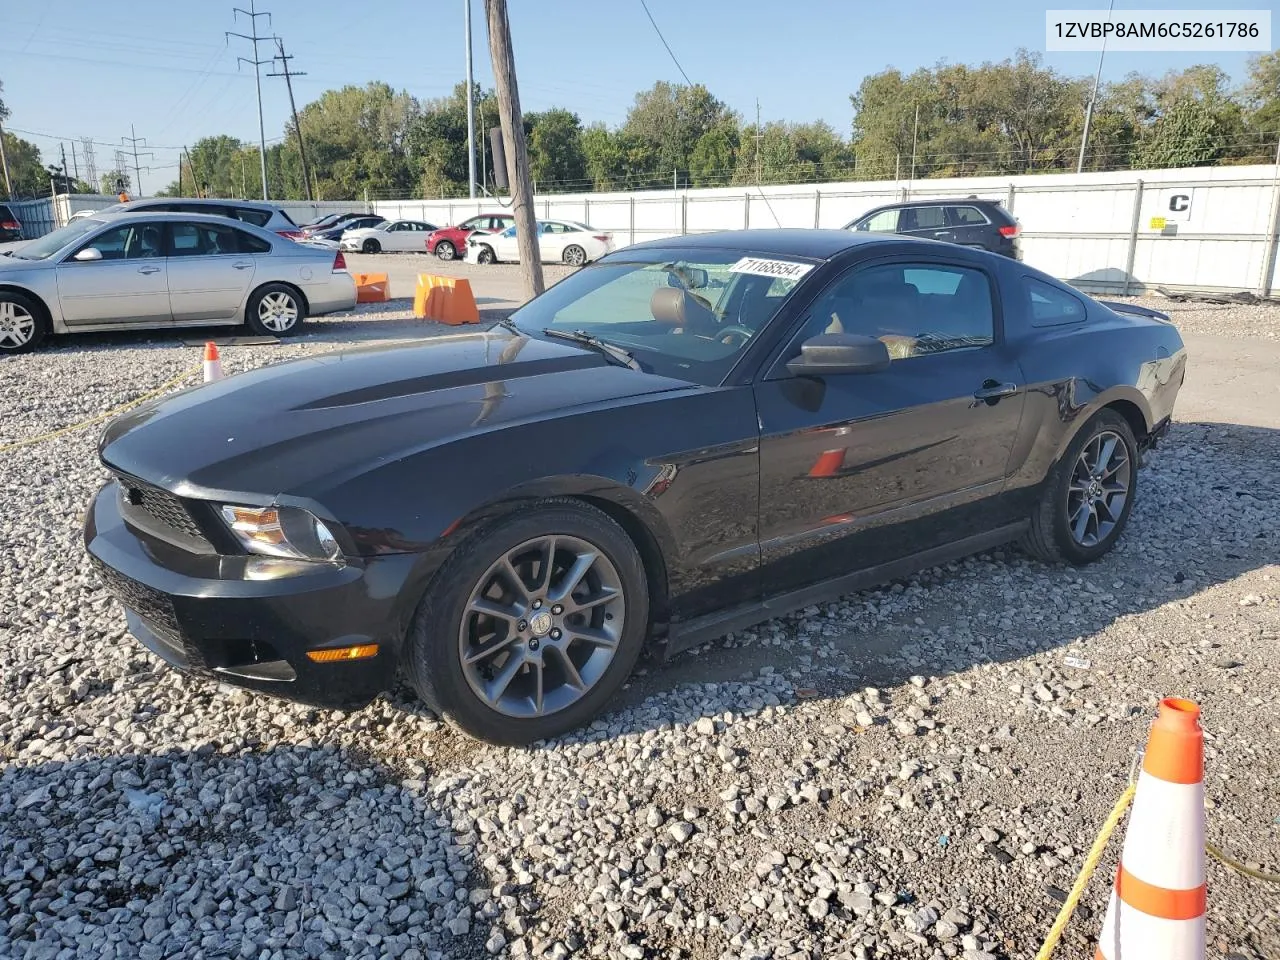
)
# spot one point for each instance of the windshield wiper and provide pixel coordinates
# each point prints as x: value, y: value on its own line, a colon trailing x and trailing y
x: 616, y: 354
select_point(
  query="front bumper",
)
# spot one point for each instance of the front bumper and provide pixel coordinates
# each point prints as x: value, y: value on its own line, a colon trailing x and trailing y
x: 200, y: 614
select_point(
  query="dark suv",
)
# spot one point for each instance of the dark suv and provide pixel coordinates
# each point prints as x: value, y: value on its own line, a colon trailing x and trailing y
x: 10, y: 228
x: 970, y: 223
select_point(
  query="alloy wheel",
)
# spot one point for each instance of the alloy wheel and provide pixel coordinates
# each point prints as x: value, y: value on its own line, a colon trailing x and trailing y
x: 575, y: 256
x: 542, y: 626
x: 17, y: 325
x: 1099, y: 488
x: 445, y: 250
x: 278, y: 311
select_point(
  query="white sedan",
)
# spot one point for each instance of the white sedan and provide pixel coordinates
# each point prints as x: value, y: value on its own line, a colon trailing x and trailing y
x: 392, y: 236
x: 564, y: 241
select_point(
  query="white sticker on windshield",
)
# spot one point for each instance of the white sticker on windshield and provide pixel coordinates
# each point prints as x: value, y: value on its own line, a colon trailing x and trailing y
x: 785, y: 269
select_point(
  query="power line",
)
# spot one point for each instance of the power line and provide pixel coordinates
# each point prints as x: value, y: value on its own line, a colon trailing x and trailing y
x: 665, y: 44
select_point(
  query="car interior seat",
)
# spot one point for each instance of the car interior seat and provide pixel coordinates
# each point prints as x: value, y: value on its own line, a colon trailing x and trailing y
x: 678, y: 308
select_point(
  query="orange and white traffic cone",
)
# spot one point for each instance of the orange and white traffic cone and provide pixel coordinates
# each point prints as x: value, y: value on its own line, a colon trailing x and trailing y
x: 1157, y: 907
x: 212, y: 363
x: 828, y: 465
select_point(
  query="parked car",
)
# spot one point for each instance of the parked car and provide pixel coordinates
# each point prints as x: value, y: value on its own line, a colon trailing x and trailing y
x: 393, y: 236
x: 447, y: 242
x: 711, y: 430
x: 10, y: 226
x: 329, y: 222
x: 336, y: 232
x: 117, y: 271
x: 560, y: 240
x: 265, y: 215
x: 970, y: 223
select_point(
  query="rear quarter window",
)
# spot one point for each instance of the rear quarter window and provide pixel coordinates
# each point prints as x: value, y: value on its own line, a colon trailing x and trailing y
x: 251, y: 244
x: 968, y: 217
x: 1050, y: 306
x: 258, y: 218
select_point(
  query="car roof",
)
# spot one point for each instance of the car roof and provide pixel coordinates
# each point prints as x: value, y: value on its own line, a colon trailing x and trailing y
x: 795, y: 242
x: 199, y: 201
x: 165, y: 215
x: 945, y: 202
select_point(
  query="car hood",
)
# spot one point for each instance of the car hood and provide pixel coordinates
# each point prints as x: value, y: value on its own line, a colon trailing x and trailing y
x: 11, y: 263
x: 302, y: 427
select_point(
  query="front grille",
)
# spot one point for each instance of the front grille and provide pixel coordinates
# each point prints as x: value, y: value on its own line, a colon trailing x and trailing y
x: 160, y: 505
x: 150, y: 604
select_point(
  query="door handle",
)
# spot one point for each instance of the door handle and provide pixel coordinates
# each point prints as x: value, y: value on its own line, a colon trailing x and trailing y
x: 148, y: 269
x: 992, y: 391
x: 242, y: 266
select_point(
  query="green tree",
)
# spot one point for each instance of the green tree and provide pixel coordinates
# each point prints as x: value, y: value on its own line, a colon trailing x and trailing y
x: 605, y: 157
x: 556, y: 157
x: 665, y: 124
x: 715, y: 155
x: 1262, y: 102
x: 113, y: 181
x: 26, y: 168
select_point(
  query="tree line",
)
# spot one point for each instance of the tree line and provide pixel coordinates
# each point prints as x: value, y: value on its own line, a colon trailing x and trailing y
x: 1012, y: 117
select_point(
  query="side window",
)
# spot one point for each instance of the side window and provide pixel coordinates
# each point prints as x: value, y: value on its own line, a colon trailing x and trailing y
x: 137, y: 241
x: 259, y: 218
x: 203, y: 240
x: 886, y: 221
x: 502, y: 223
x: 475, y: 223
x: 967, y: 217
x: 916, y: 309
x: 1051, y: 307
x: 396, y: 228
x: 251, y: 244
x: 923, y: 218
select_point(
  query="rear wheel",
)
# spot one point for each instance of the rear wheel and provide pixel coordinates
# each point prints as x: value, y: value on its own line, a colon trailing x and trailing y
x: 445, y: 250
x: 533, y: 626
x: 485, y: 255
x: 370, y: 246
x: 275, y: 310
x: 22, y: 323
x: 574, y: 255
x: 1089, y: 495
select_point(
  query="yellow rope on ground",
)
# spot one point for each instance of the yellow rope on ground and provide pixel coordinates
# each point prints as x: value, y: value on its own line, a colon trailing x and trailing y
x: 1226, y: 861
x: 28, y: 441
x: 1086, y: 871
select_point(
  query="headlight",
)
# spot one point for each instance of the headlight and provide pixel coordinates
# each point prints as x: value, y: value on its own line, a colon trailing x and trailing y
x: 282, y: 532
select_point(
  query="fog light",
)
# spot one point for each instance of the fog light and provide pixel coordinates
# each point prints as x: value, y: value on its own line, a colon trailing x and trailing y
x: 361, y: 651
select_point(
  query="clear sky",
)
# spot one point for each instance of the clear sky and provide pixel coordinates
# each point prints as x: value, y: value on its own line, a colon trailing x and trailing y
x: 83, y: 68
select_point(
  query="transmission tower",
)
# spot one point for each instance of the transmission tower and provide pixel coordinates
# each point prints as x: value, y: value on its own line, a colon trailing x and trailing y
x: 137, y: 170
x: 253, y: 16
x: 90, y: 168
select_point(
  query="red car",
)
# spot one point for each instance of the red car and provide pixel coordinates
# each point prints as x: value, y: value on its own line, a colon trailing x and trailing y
x: 447, y: 242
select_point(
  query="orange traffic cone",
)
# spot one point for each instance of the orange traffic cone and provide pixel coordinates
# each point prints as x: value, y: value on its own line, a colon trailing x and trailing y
x: 1157, y: 906
x: 828, y: 465
x: 212, y: 363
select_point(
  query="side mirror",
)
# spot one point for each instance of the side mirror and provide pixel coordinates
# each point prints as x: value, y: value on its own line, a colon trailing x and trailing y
x: 833, y: 353
x: 88, y: 253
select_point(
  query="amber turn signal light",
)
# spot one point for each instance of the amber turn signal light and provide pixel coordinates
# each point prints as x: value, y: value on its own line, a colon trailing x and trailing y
x: 360, y: 651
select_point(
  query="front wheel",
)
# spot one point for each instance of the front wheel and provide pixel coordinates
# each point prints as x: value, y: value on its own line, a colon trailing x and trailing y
x: 533, y: 626
x: 574, y: 255
x: 275, y: 310
x: 485, y: 255
x: 1089, y: 494
x: 370, y: 246
x: 22, y: 323
x: 446, y: 250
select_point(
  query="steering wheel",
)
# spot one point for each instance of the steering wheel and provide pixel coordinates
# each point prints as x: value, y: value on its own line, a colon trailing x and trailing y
x: 726, y: 334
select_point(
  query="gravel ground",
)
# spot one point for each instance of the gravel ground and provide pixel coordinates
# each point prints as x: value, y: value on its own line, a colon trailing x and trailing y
x: 1259, y: 321
x: 910, y: 772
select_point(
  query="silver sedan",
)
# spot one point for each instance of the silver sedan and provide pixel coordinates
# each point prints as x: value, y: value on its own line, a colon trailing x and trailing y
x: 115, y: 271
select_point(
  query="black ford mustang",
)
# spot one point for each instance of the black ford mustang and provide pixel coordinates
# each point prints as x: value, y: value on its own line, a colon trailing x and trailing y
x: 689, y: 436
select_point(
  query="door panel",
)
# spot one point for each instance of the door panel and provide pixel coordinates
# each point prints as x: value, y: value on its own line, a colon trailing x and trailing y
x: 860, y: 469
x: 208, y: 276
x: 130, y: 285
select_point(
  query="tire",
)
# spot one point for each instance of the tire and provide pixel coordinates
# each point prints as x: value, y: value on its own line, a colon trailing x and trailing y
x: 1054, y: 534
x: 445, y: 250
x: 275, y: 310
x: 485, y: 254
x: 22, y: 323
x: 445, y: 629
x: 574, y: 255
x: 371, y: 246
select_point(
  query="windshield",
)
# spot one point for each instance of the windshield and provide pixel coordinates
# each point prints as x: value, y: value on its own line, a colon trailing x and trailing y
x: 682, y: 313
x: 51, y: 243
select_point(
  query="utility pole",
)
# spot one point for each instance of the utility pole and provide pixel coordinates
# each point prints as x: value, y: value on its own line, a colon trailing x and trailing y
x: 759, y: 137
x: 297, y: 127
x: 915, y: 132
x: 4, y: 163
x: 471, y: 107
x: 517, y: 150
x: 1088, y: 111
x: 137, y: 170
x: 253, y: 16
x: 75, y: 165
x: 66, y: 184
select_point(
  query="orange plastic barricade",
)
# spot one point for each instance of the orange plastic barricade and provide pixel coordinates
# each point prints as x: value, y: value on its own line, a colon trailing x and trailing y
x: 445, y: 300
x: 372, y: 287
